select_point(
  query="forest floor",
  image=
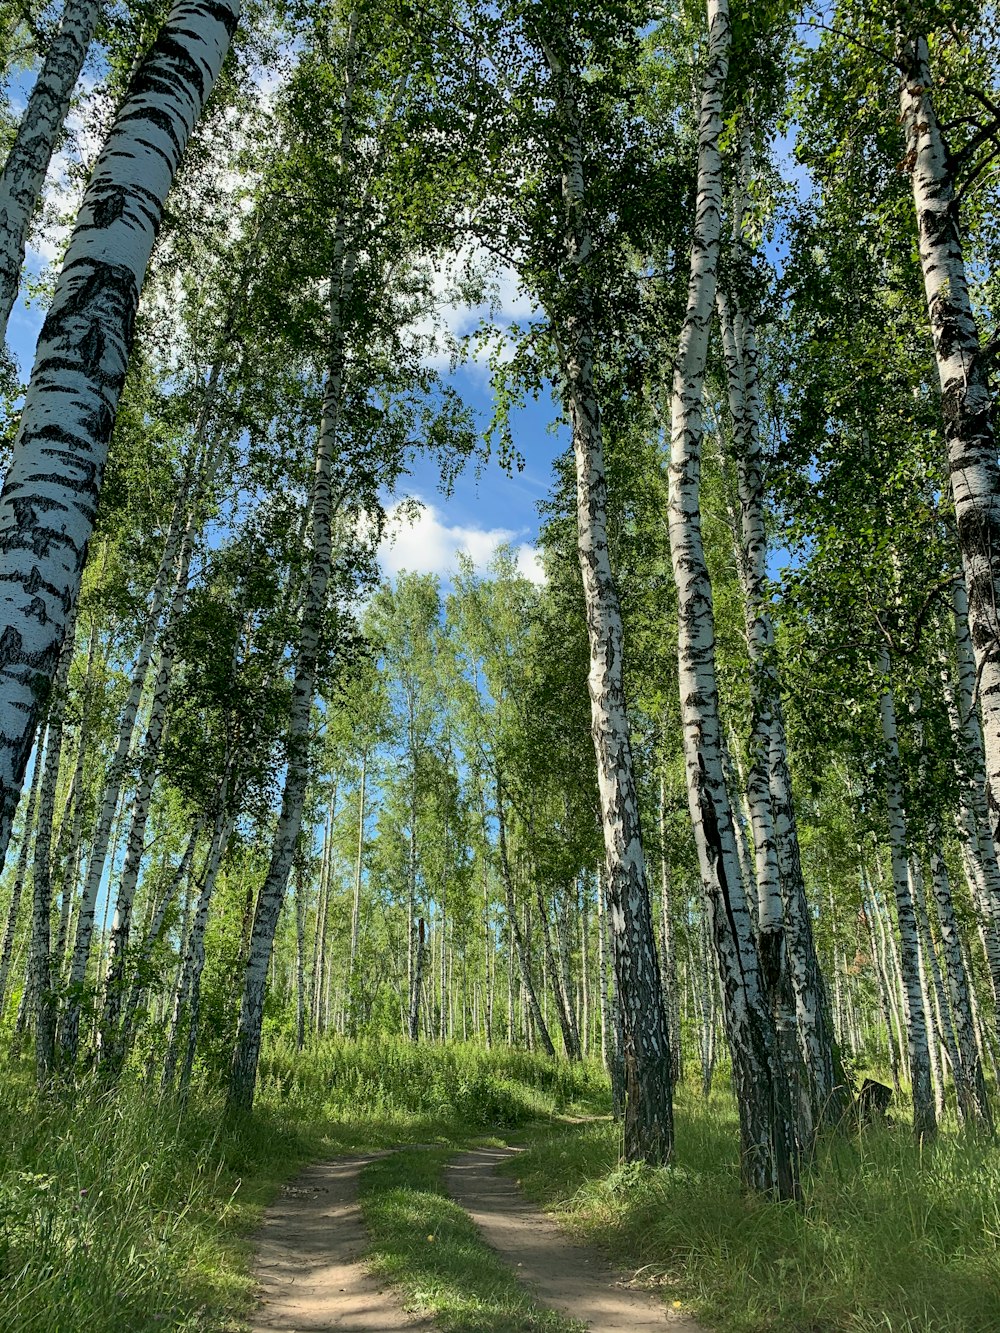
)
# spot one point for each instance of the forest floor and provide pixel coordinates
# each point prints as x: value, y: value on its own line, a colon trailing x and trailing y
x: 123, y: 1211
x: 313, y: 1271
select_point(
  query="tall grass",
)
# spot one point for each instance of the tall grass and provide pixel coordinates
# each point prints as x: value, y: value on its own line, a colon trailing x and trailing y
x: 889, y: 1238
x: 120, y: 1214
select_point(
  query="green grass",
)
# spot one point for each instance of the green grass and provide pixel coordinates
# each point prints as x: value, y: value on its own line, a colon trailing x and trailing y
x: 888, y: 1239
x: 118, y: 1213
x: 427, y: 1245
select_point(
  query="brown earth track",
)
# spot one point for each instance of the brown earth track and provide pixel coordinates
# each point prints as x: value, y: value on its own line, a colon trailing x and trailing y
x: 313, y: 1278
x: 567, y: 1277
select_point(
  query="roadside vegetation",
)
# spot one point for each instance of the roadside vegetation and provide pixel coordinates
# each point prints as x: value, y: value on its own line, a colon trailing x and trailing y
x: 119, y: 1210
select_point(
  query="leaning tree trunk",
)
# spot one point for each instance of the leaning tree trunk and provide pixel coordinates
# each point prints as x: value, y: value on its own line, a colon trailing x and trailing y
x: 924, y: 1125
x: 50, y: 494
x: 247, y: 1049
x: 648, y: 1121
x: 768, y: 1158
x: 37, y: 136
x: 967, y: 400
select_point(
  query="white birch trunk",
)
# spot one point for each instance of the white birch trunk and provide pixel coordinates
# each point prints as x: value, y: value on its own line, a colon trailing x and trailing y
x: 648, y: 1128
x: 152, y: 935
x: 521, y: 944
x: 50, y: 493
x: 69, y: 1028
x: 247, y: 1050
x: 326, y: 870
x: 20, y: 874
x: 39, y: 984
x: 110, y: 1045
x: 941, y: 1030
x: 789, y: 962
x: 37, y: 135
x: 300, y: 959
x: 980, y: 846
x: 967, y: 401
x: 194, y: 962
x: 918, y: 1045
x: 768, y: 1153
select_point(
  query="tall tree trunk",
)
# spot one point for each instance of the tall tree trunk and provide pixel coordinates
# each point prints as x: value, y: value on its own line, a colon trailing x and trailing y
x: 553, y: 973
x: 69, y: 1027
x: 648, y: 1128
x: 195, y: 962
x: 882, y: 988
x: 489, y: 954
x: 521, y: 946
x: 20, y: 873
x: 37, y: 136
x: 111, y: 1049
x: 39, y: 985
x: 975, y: 828
x: 668, y: 958
x: 924, y: 1124
x: 768, y: 1158
x: 300, y: 958
x: 246, y: 1054
x: 602, y: 974
x: 967, y: 401
x: 50, y: 493
x: 152, y: 935
x: 970, y: 1085
x: 788, y: 953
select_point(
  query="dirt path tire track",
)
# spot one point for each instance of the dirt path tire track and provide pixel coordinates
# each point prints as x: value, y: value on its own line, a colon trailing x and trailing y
x: 567, y: 1277
x: 310, y: 1260
x: 313, y: 1278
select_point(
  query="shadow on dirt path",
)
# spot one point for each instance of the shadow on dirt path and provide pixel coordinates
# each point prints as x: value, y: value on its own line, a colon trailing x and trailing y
x: 310, y: 1260
x: 568, y: 1277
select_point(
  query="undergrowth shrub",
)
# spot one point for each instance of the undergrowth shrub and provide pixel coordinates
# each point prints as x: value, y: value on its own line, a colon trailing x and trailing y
x: 464, y: 1085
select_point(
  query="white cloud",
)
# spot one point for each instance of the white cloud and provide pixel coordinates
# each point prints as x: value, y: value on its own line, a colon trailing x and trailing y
x: 452, y: 318
x: 529, y: 563
x: 427, y: 543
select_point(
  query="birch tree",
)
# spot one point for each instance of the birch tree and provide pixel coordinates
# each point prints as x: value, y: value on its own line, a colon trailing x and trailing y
x: 968, y: 403
x: 38, y: 133
x: 51, y: 490
x: 768, y: 1149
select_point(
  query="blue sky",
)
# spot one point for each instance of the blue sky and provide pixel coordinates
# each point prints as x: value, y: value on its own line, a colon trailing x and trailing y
x: 487, y: 507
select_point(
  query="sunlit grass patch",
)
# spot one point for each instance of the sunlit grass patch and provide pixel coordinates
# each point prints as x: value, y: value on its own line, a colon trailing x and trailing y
x: 888, y: 1238
x: 119, y: 1213
x: 427, y: 1245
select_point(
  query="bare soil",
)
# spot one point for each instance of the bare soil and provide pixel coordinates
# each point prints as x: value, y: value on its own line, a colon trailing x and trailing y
x: 311, y: 1270
x: 309, y: 1260
x: 567, y: 1277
